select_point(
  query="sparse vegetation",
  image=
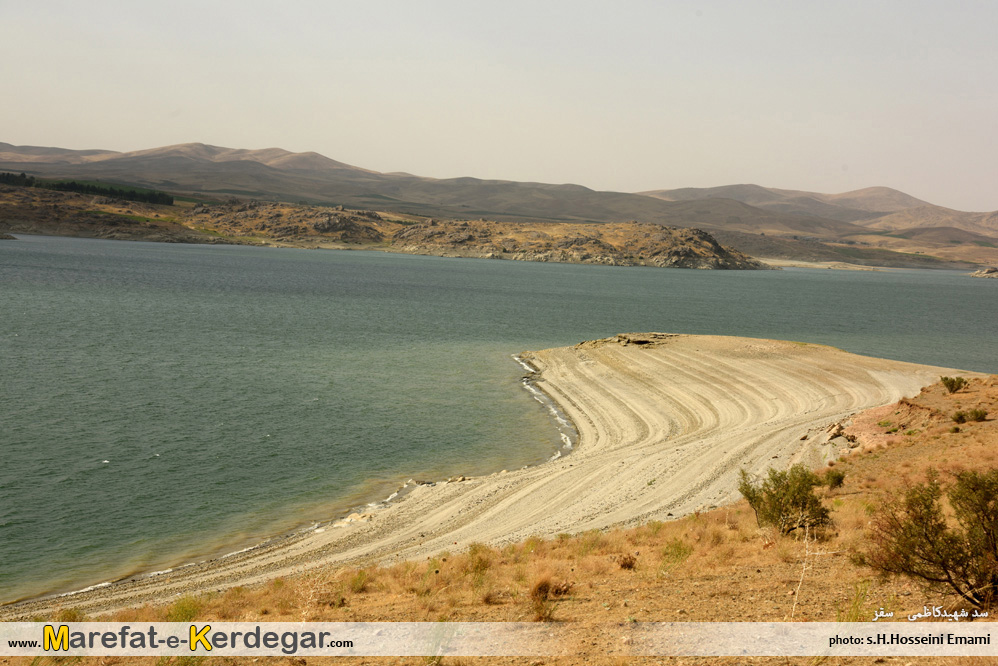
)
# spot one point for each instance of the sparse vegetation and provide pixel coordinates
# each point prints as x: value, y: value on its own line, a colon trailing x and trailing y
x: 970, y: 415
x: 97, y: 189
x: 184, y: 609
x: 627, y: 561
x: 675, y: 553
x: 953, y: 384
x: 855, y: 611
x: 541, y: 597
x: 834, y: 478
x: 786, y: 500
x: 359, y: 581
x: 912, y: 536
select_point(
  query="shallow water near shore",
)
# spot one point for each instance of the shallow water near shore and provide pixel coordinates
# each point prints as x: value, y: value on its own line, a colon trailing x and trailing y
x: 168, y: 402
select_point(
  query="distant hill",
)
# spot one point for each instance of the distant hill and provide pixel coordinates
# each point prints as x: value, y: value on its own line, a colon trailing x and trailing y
x: 870, y: 217
x: 865, y: 204
x: 873, y: 207
x: 930, y: 216
x: 278, y: 174
x: 28, y: 154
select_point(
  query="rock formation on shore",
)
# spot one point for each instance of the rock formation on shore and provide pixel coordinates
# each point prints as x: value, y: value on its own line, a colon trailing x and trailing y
x: 622, y: 244
x: 38, y: 211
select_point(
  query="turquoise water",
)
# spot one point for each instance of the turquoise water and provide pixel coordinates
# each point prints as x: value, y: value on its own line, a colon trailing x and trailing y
x: 164, y: 403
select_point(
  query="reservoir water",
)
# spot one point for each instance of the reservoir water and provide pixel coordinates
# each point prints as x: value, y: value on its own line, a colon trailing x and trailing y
x: 165, y: 403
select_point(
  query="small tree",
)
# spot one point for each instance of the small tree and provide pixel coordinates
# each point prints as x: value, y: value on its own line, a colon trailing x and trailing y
x: 912, y: 537
x: 786, y: 499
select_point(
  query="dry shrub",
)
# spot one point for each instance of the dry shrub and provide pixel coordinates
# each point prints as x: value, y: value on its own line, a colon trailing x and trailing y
x: 424, y: 585
x: 541, y: 588
x: 532, y: 544
x: 402, y: 577
x: 359, y: 581
x: 654, y: 527
x: 146, y: 613
x: 785, y: 552
x: 590, y: 542
x: 675, y: 553
x: 706, y: 531
x: 542, y: 595
x: 231, y: 605
x: 713, y: 537
x: 477, y: 562
x: 626, y: 561
x: 594, y: 566
x: 71, y: 615
x: 492, y: 597
x: 184, y: 609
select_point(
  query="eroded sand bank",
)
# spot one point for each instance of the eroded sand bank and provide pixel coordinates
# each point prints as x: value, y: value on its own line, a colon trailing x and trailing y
x: 665, y: 422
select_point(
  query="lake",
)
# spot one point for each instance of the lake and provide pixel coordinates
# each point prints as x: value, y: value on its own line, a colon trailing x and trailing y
x: 164, y: 403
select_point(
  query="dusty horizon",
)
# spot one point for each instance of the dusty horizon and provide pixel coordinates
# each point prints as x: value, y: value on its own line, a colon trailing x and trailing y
x: 826, y: 99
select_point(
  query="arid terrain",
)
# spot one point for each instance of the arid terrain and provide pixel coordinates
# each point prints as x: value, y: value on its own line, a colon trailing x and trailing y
x: 876, y: 226
x: 50, y: 213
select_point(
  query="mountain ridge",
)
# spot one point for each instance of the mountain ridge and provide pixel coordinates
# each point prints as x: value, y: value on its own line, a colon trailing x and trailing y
x: 866, y: 217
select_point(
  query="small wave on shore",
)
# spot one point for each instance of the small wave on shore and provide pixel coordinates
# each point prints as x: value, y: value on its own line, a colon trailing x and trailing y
x: 566, y: 429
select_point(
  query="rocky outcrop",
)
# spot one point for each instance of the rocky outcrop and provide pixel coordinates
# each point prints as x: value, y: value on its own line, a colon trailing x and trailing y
x: 33, y: 210
x: 625, y: 244
x: 990, y: 272
x: 287, y: 223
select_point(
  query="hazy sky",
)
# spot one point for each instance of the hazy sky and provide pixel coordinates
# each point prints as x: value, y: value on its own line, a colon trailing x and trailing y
x: 627, y: 96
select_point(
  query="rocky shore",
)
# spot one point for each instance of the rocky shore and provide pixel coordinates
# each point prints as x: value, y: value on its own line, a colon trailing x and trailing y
x: 622, y: 244
x: 35, y: 211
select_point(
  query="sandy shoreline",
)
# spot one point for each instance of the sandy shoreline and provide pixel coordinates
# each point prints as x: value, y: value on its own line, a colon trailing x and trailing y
x: 664, y: 422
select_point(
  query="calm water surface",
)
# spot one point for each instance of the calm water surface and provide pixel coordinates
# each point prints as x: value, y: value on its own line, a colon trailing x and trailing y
x: 169, y: 402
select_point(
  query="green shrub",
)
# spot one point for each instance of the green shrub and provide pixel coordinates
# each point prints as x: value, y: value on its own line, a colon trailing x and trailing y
x: 834, y: 478
x: 359, y: 581
x: 960, y: 417
x: 977, y: 414
x: 953, y: 384
x: 912, y: 537
x: 184, y: 609
x: 786, y: 500
x: 676, y: 552
x: 856, y: 611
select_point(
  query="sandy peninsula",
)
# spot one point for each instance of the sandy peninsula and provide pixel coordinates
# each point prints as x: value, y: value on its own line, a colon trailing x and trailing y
x: 665, y: 422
